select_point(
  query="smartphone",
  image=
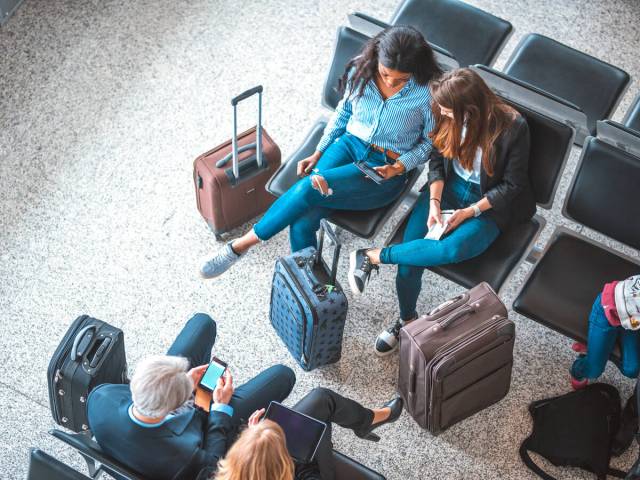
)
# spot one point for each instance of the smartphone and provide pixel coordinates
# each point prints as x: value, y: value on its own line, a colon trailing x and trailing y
x: 369, y: 172
x: 214, y: 371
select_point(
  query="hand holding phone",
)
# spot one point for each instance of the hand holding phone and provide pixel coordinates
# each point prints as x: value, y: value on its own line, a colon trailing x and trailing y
x: 369, y: 172
x: 214, y: 371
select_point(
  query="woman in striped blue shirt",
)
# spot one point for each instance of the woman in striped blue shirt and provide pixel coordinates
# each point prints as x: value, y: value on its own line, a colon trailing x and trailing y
x: 383, y: 119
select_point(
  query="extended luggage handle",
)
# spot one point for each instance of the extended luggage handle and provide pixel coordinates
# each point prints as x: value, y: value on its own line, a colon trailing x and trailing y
x: 325, y: 229
x: 235, y: 151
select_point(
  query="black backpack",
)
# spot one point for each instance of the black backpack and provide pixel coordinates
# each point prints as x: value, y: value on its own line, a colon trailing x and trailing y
x: 575, y: 429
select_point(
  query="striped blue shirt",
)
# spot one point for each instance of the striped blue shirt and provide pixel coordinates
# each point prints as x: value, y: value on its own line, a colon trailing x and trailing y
x: 400, y: 124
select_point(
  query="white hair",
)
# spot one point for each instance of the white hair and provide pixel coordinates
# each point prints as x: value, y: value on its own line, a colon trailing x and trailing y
x: 160, y: 385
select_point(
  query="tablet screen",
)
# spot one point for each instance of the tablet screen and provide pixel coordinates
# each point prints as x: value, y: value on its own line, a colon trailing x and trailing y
x: 303, y: 433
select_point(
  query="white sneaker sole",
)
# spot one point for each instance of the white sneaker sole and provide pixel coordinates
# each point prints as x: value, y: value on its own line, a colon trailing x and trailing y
x: 352, y: 269
x: 384, y: 354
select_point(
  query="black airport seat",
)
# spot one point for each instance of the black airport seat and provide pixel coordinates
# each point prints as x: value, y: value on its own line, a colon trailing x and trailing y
x: 365, y: 224
x: 595, y: 86
x: 572, y: 270
x: 97, y: 461
x: 472, y: 35
x: 632, y: 118
x: 551, y: 140
x: 43, y: 466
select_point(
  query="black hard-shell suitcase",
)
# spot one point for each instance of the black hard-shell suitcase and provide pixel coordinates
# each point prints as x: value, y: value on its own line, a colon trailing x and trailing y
x: 91, y: 353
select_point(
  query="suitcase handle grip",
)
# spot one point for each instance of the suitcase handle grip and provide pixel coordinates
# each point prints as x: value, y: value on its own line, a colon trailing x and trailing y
x: 412, y: 381
x: 449, y: 304
x: 78, y: 339
x: 459, y: 314
x: 224, y: 160
x: 246, y: 94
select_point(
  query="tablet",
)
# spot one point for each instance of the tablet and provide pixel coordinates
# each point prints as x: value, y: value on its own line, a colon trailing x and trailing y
x: 303, y: 433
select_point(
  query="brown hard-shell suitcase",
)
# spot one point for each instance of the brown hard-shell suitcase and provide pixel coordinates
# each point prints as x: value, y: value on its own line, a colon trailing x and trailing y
x: 457, y: 359
x: 230, y: 179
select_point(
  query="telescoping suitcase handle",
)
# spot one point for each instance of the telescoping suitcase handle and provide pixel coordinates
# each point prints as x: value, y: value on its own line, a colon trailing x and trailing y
x: 325, y: 229
x: 234, y: 140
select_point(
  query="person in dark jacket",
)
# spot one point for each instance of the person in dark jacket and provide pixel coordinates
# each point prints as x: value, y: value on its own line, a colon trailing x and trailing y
x: 152, y: 425
x: 478, y: 172
x: 260, y: 453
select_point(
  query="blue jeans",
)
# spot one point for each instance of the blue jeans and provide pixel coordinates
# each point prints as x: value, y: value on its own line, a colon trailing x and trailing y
x: 602, y: 338
x: 468, y: 240
x: 195, y: 342
x: 302, y: 207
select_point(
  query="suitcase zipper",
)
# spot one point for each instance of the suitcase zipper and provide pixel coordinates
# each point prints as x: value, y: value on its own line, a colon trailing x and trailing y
x: 306, y: 297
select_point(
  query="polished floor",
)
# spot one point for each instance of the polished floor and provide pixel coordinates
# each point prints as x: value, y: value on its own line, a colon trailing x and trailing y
x: 104, y: 104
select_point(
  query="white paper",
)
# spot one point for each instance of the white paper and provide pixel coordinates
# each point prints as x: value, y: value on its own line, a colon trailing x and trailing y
x: 437, y: 230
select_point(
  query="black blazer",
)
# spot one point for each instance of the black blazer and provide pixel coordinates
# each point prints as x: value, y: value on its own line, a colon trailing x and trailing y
x: 509, y: 188
x: 178, y: 449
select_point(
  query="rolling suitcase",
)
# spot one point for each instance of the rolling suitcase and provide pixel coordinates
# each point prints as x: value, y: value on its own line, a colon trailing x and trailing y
x: 91, y: 353
x: 456, y: 360
x: 308, y: 307
x: 229, y: 194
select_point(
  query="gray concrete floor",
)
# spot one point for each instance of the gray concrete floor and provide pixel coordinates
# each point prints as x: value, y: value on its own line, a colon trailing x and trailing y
x: 104, y: 106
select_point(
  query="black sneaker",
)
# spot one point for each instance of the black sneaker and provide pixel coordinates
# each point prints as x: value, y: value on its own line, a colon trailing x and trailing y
x: 360, y: 268
x: 387, y: 341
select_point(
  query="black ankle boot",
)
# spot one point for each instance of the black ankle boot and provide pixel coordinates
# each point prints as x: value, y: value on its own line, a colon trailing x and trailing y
x: 395, y: 406
x: 628, y: 427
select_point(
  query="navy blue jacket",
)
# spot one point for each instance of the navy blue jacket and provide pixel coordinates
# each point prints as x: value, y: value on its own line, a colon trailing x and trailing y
x: 178, y: 449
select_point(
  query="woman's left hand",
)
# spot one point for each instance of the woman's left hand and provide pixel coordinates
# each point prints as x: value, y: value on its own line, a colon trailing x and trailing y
x: 458, y: 217
x: 388, y: 171
x: 254, y: 419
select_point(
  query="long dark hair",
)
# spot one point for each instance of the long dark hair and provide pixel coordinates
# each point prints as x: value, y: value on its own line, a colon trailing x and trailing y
x: 473, y: 104
x: 401, y: 48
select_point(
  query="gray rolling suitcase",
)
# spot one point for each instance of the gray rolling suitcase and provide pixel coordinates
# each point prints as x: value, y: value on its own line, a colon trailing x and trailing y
x: 308, y: 306
x: 456, y: 360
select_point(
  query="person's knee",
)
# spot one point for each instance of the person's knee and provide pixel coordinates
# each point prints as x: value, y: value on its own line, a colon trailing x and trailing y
x: 285, y: 375
x: 320, y: 393
x: 204, y: 323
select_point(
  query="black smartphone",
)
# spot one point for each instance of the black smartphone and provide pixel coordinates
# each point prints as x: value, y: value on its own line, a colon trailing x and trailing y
x: 214, y: 371
x: 370, y: 172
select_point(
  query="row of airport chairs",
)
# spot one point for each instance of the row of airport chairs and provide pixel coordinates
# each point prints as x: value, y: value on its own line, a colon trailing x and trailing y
x: 44, y: 466
x: 563, y: 94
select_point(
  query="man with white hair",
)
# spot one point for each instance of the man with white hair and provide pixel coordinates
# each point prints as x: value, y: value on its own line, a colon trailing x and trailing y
x: 151, y: 425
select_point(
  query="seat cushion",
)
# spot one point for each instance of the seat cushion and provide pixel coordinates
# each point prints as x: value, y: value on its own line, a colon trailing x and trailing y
x: 495, y: 264
x: 593, y: 85
x: 632, y: 118
x: 348, y: 469
x: 564, y: 283
x: 604, y: 192
x: 364, y: 224
x: 44, y: 466
x: 470, y: 34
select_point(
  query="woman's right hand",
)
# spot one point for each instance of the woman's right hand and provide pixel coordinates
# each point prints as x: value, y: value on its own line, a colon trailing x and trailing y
x: 434, y: 213
x: 305, y: 166
x: 254, y: 419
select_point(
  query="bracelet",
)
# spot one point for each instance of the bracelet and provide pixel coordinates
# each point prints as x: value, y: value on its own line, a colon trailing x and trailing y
x: 436, y: 199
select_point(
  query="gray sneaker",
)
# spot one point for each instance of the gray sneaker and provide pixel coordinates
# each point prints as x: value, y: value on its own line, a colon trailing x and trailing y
x: 387, y: 341
x: 219, y: 263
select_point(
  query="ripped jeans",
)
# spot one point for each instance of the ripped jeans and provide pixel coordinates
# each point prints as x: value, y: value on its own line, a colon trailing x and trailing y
x: 302, y: 206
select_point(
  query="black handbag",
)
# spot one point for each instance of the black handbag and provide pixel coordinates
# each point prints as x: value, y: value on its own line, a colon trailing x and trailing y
x: 575, y: 429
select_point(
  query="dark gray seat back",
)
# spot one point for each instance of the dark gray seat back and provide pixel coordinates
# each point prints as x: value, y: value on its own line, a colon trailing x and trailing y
x: 43, y: 466
x: 470, y: 34
x: 595, y: 86
x: 604, y: 192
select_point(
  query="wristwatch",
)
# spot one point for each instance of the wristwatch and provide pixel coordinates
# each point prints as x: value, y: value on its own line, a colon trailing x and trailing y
x: 476, y: 210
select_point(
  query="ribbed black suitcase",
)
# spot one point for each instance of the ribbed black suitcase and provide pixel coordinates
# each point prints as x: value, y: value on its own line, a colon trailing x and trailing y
x: 90, y: 354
